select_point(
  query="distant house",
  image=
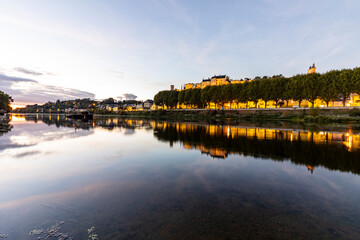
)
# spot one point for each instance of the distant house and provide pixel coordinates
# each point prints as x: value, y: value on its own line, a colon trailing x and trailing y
x: 189, y: 85
x: 219, y: 80
x: 129, y: 107
x: 205, y: 83
x: 215, y: 80
x: 148, y: 104
x: 112, y: 107
x: 240, y: 81
x: 312, y: 69
x: 140, y: 106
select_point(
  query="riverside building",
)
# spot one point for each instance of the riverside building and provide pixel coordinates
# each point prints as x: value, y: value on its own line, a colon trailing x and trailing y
x: 218, y: 80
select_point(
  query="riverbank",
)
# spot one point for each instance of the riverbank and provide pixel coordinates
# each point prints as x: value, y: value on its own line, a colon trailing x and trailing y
x: 307, y: 115
x: 296, y: 115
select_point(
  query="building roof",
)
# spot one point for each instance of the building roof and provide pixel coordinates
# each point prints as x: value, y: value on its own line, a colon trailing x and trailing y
x: 313, y: 66
x: 219, y: 76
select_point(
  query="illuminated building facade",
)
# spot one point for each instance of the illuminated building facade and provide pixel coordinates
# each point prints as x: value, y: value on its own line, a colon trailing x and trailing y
x: 312, y: 69
x: 216, y: 80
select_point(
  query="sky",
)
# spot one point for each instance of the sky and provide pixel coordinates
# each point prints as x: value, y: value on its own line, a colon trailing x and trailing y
x: 98, y: 49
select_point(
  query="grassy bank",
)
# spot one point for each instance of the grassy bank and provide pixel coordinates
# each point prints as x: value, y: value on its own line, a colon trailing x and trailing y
x: 312, y: 115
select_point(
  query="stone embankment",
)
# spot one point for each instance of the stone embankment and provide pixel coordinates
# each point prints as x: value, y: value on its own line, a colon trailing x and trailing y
x: 316, y: 115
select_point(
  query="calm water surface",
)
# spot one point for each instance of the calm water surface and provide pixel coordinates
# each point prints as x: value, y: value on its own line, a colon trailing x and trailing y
x: 142, y: 179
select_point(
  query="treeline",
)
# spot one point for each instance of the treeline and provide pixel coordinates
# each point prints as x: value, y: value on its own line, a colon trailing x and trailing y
x: 61, y: 106
x: 58, y: 105
x: 330, y: 86
x: 5, y: 101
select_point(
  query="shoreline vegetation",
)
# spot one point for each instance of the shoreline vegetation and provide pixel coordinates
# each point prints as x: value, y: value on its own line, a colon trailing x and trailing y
x: 301, y: 115
x: 308, y: 90
x: 304, y: 115
x: 5, y: 101
x: 109, y: 121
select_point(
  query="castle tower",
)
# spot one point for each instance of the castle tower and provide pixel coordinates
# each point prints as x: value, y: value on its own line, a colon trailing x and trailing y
x: 312, y: 69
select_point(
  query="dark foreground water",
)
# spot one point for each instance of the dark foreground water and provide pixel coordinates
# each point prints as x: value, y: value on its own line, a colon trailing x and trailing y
x: 141, y: 179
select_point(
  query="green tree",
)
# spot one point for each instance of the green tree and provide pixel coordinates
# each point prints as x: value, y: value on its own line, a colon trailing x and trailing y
x: 287, y: 96
x: 236, y: 90
x: 5, y: 101
x: 215, y: 95
x: 227, y: 93
x: 254, y: 91
x: 328, y: 90
x: 195, y: 99
x: 208, y: 94
x: 172, y: 98
x: 356, y: 80
x: 344, y: 84
x: 160, y: 98
x: 105, y: 101
x: 265, y: 87
x: 187, y: 97
x: 278, y: 89
x: 312, y: 87
x: 297, y: 88
x: 181, y: 97
x: 243, y: 96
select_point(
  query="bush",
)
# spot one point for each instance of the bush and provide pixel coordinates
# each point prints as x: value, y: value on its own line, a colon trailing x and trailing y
x: 288, y: 115
x: 211, y: 113
x: 354, y: 112
x: 322, y: 119
x: 314, y: 112
x: 160, y: 112
x: 308, y: 119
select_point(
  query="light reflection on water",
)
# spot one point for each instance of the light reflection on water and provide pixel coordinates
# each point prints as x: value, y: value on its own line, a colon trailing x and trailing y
x: 137, y: 179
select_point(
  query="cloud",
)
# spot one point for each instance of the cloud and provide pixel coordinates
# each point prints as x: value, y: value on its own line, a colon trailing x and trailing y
x: 26, y: 154
x: 5, y: 78
x: 27, y: 71
x: 117, y: 73
x: 129, y: 96
x: 27, y: 91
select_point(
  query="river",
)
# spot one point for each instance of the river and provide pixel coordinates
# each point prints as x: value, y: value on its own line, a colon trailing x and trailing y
x: 147, y: 179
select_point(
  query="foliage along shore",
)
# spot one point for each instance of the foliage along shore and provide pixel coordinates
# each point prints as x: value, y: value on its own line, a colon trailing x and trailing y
x: 327, y: 87
x: 306, y: 115
x: 309, y: 115
x: 5, y: 101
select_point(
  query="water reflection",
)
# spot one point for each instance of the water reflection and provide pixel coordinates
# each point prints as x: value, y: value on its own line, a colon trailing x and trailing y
x: 24, y: 133
x: 330, y: 149
x: 333, y: 150
x: 4, y: 125
x: 121, y: 176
